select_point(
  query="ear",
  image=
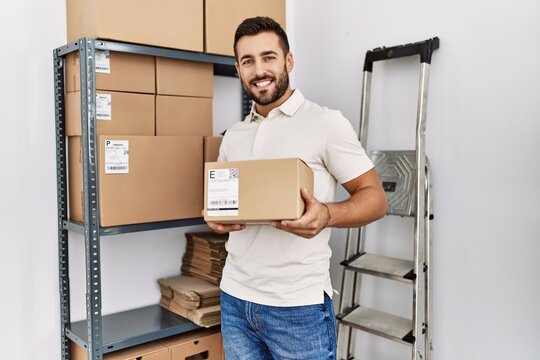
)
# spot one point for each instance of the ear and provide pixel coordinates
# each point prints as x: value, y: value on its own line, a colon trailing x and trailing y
x: 289, y: 62
x: 237, y: 68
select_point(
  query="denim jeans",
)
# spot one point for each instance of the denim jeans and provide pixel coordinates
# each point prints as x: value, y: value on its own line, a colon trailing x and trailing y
x: 252, y: 331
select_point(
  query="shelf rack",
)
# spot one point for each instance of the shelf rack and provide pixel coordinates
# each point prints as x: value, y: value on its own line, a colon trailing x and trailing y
x: 102, y: 334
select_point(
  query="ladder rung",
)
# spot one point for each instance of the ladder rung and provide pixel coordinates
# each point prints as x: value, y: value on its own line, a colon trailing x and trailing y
x: 383, y: 266
x: 379, y: 323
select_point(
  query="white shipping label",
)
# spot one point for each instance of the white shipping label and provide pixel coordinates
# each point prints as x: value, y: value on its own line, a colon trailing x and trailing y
x: 103, y: 61
x: 223, y: 192
x: 116, y: 156
x: 103, y: 107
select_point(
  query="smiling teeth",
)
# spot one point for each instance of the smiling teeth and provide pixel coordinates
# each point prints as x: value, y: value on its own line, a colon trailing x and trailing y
x: 263, y: 83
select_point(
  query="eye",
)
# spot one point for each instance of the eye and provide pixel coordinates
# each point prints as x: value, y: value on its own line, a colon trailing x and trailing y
x: 247, y: 62
x: 269, y: 58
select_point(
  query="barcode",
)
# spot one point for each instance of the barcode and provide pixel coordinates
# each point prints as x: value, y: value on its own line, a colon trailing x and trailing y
x: 223, y: 202
x: 117, y: 167
x: 102, y: 67
x: 103, y: 114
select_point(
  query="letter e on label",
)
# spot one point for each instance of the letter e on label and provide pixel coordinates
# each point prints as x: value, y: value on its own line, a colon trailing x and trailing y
x: 212, y: 174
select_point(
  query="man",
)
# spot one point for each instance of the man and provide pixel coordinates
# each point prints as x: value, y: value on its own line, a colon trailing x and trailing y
x: 276, y: 291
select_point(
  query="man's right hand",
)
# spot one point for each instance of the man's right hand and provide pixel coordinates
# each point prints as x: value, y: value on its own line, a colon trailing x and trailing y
x: 225, y: 228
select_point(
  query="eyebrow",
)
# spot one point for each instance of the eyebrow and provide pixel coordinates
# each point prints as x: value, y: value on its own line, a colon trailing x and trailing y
x: 264, y: 53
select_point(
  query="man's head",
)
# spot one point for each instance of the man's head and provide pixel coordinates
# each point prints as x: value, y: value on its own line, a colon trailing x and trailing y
x: 263, y: 62
x: 257, y: 25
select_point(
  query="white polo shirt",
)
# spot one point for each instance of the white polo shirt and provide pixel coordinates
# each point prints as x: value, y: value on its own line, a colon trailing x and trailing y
x: 270, y: 266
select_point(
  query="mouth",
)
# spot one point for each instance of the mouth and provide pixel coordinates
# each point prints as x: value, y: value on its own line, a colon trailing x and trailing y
x: 262, y: 84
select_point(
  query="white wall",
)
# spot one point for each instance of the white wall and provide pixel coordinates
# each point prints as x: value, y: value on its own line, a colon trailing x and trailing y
x: 482, y: 134
x: 480, y: 118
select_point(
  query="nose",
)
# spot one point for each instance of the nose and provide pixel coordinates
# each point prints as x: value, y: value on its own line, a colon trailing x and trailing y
x: 259, y: 68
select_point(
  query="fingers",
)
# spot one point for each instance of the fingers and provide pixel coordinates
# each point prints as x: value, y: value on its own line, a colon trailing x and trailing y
x: 225, y: 228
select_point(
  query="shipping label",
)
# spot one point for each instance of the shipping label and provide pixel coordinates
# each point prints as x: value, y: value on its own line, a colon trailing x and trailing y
x: 103, y: 61
x: 223, y: 192
x: 103, y: 107
x: 116, y: 156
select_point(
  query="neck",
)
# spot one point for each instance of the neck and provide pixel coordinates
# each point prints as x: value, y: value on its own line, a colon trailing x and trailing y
x: 264, y: 110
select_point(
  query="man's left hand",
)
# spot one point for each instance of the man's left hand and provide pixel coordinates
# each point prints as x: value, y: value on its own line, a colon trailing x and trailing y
x: 316, y: 217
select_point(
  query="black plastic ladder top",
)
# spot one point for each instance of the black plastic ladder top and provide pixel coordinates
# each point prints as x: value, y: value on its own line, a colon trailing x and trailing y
x: 423, y: 48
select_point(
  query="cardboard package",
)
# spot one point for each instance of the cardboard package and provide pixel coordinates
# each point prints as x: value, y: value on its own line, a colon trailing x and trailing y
x: 211, y: 148
x: 255, y: 191
x: 219, y: 29
x: 205, y: 256
x: 140, y: 178
x: 199, y: 344
x: 168, y: 23
x: 115, y: 71
x: 183, y: 116
x: 189, y: 292
x: 184, y: 78
x: 117, y: 113
x: 149, y: 351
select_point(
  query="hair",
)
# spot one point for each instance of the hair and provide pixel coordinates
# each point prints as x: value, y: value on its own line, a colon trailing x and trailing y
x: 257, y: 25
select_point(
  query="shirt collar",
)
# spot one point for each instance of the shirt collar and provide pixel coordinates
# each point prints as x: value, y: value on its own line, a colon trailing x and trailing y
x: 289, y: 107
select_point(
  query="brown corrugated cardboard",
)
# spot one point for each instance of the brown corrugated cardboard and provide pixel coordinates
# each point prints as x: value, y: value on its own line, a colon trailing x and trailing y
x: 220, y: 29
x: 211, y: 148
x: 255, y: 190
x: 180, y: 115
x: 184, y: 78
x: 149, y: 351
x: 168, y: 23
x: 129, y: 114
x: 126, y: 72
x: 163, y: 179
x: 206, y: 343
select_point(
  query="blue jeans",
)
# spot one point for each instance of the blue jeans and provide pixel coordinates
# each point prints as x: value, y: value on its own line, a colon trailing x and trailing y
x: 252, y: 331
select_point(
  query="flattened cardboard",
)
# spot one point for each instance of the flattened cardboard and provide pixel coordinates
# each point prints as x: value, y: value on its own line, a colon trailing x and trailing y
x: 183, y: 116
x: 263, y: 195
x: 220, y: 29
x: 128, y: 72
x: 132, y: 114
x: 184, y: 78
x: 168, y: 23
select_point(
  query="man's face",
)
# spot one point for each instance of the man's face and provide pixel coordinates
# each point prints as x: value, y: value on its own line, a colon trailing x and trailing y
x: 262, y: 67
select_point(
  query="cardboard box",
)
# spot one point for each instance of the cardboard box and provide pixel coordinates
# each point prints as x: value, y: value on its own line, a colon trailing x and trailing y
x: 220, y: 29
x: 184, y: 78
x: 149, y: 351
x: 160, y: 179
x: 199, y: 344
x: 255, y: 191
x: 115, y: 71
x: 117, y: 113
x: 183, y: 116
x: 211, y: 148
x: 168, y: 23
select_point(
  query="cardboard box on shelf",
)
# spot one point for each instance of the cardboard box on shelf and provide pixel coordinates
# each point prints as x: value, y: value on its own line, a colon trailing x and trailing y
x: 219, y: 29
x: 141, y: 178
x: 205, y: 343
x: 180, y: 115
x: 149, y: 351
x: 117, y: 113
x: 211, y: 148
x: 115, y: 71
x: 255, y: 191
x: 184, y: 78
x: 168, y: 23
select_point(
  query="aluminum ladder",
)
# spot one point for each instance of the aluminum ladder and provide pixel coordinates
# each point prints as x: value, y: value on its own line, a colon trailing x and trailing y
x: 406, y: 180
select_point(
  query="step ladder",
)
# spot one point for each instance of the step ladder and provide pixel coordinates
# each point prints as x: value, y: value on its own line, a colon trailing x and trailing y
x: 406, y: 180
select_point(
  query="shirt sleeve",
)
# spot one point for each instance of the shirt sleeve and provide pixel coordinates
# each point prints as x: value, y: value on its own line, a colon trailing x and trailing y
x: 345, y: 158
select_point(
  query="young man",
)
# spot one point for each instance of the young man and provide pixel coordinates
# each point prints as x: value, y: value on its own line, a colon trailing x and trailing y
x: 276, y: 291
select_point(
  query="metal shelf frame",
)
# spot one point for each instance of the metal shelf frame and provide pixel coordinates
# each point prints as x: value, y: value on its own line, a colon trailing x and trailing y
x: 93, y: 338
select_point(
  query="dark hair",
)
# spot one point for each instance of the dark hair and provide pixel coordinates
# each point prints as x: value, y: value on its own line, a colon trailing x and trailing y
x: 259, y: 24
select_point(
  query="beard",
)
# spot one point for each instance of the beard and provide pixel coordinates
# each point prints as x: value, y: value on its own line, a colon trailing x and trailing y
x: 266, y: 97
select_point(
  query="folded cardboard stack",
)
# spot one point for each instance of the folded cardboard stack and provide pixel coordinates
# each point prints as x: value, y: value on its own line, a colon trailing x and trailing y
x: 195, y: 299
x: 205, y: 256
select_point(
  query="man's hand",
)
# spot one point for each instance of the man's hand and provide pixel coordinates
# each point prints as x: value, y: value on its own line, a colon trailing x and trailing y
x: 224, y: 228
x: 316, y: 217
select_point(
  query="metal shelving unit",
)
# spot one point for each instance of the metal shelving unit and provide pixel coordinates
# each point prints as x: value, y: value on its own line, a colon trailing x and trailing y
x: 102, y: 334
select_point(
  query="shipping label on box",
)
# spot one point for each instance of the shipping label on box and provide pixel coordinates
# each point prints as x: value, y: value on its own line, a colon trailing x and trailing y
x: 223, y: 192
x: 117, y: 157
x: 103, y: 61
x: 103, y: 106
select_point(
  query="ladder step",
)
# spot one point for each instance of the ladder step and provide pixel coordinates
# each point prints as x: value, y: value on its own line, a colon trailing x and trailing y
x: 382, y: 266
x: 379, y: 323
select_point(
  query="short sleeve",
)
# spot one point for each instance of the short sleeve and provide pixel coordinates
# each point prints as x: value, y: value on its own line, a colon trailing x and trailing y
x: 345, y: 158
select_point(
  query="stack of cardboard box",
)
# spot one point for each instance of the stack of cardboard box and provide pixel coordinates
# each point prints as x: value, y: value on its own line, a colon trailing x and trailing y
x: 205, y: 256
x: 195, y: 299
